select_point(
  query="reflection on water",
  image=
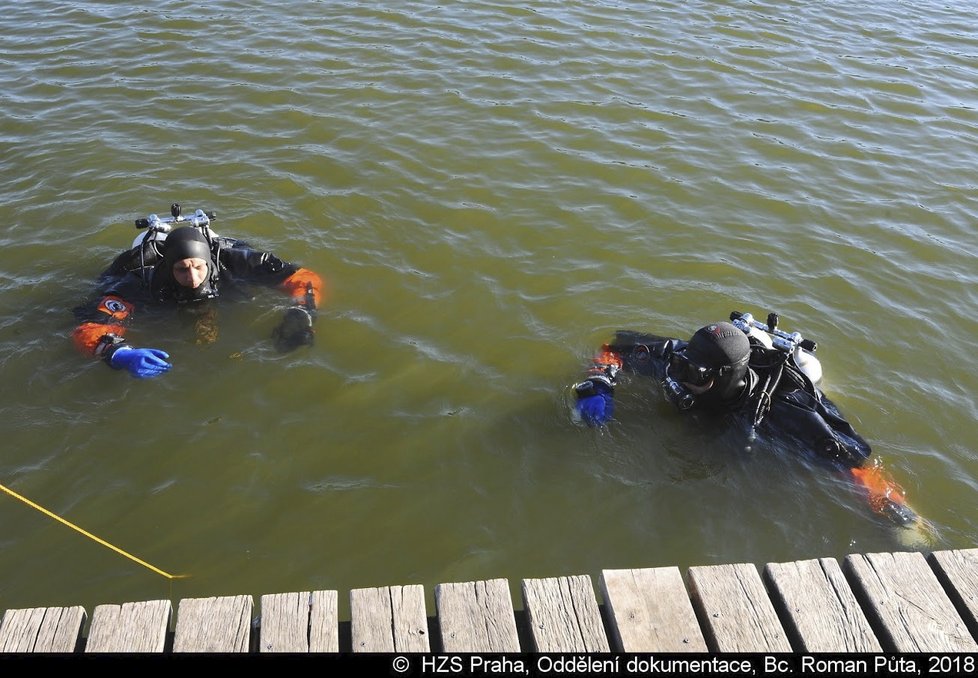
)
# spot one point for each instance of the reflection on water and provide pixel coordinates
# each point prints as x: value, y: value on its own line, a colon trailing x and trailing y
x: 491, y: 192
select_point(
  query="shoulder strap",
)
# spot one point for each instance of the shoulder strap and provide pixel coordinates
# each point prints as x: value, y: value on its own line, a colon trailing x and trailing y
x: 769, y: 365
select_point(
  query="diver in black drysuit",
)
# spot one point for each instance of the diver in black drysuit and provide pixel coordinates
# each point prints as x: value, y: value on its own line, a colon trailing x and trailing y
x: 190, y: 267
x: 724, y: 371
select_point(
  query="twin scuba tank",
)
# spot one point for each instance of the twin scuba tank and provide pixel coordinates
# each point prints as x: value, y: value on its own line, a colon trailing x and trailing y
x: 157, y: 228
x: 801, y: 351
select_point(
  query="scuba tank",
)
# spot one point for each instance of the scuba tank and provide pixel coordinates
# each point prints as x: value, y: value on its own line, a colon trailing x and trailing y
x: 810, y: 366
x: 801, y: 350
x: 157, y: 228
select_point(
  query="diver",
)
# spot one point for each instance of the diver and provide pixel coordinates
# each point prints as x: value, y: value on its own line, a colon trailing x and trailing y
x: 187, y: 266
x: 758, y: 375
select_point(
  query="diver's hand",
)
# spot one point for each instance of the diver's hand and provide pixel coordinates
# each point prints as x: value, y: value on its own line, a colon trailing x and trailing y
x: 141, y: 362
x: 597, y: 409
x: 595, y: 401
x: 294, y: 331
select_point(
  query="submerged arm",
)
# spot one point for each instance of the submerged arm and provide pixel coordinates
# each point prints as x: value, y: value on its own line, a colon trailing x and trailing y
x: 637, y: 352
x: 304, y: 287
x: 103, y: 336
x: 595, y: 395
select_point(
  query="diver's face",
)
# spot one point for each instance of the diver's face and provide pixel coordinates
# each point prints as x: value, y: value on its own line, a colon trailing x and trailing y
x: 190, y: 272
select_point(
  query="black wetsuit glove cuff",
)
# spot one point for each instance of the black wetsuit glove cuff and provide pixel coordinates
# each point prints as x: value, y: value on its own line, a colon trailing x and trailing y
x: 107, y: 347
x: 595, y: 385
x: 309, y: 301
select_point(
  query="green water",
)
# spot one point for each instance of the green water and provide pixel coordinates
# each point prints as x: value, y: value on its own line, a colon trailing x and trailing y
x: 491, y: 189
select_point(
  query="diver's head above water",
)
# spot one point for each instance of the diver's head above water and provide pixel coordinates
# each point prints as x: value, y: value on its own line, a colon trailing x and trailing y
x: 713, y: 365
x: 187, y: 262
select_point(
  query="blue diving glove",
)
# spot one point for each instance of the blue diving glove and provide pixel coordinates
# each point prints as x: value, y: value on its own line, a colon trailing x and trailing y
x: 595, y: 401
x: 141, y: 362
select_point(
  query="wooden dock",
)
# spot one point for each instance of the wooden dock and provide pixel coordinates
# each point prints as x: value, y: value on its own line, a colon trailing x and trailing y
x: 881, y: 602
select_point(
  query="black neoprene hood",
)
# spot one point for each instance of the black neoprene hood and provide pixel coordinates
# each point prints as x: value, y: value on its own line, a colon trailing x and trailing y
x: 718, y: 345
x: 185, y: 242
x: 724, y: 347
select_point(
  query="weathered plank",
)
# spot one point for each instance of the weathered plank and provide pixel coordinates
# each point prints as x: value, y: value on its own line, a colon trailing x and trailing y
x: 958, y: 572
x: 389, y: 619
x: 906, y: 604
x: 820, y: 607
x: 220, y: 624
x: 41, y: 629
x: 736, y: 613
x: 477, y: 617
x: 284, y: 622
x: 564, y: 615
x: 130, y: 627
x: 650, y: 611
x: 324, y: 622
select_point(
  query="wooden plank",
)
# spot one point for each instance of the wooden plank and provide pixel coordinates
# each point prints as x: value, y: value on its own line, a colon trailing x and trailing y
x: 477, y: 617
x: 820, y: 607
x: 389, y: 619
x: 736, y: 613
x: 650, y: 611
x: 41, y: 629
x: 213, y: 624
x: 958, y: 573
x: 284, y: 622
x: 564, y: 615
x: 324, y: 622
x: 906, y: 604
x: 130, y: 627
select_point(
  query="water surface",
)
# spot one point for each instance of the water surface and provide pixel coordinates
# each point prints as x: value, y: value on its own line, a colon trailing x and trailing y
x: 491, y: 189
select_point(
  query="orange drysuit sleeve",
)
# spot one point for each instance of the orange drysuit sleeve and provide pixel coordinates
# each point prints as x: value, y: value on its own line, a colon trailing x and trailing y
x: 306, y: 288
x: 106, y: 329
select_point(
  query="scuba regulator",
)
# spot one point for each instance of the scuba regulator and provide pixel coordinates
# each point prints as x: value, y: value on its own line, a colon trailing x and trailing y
x: 676, y: 393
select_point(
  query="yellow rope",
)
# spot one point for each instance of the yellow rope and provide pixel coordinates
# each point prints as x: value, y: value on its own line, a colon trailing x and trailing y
x: 90, y: 535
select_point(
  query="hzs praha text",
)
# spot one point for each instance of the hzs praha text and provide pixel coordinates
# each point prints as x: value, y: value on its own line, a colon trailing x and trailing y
x: 750, y: 665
